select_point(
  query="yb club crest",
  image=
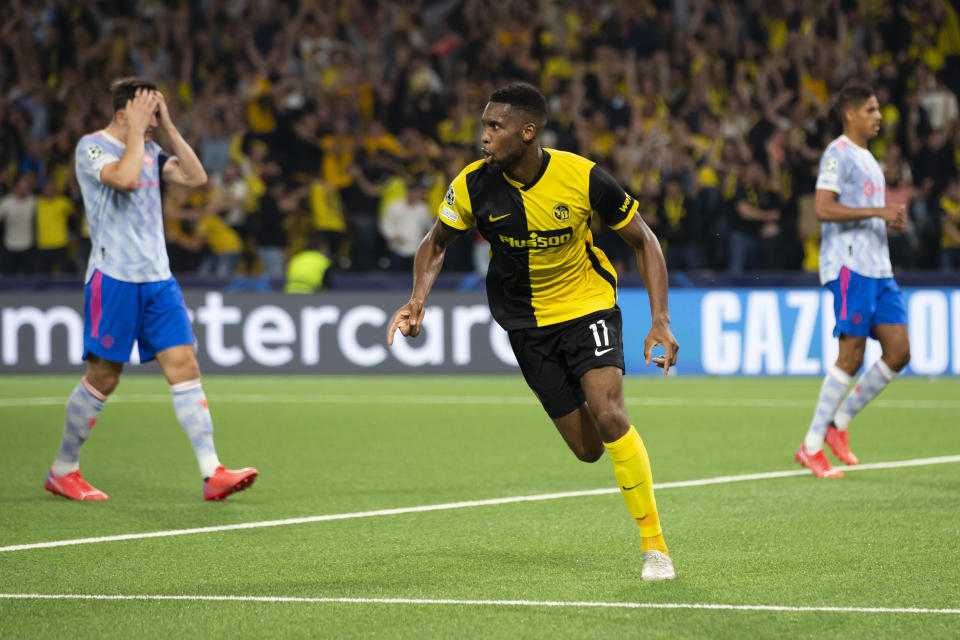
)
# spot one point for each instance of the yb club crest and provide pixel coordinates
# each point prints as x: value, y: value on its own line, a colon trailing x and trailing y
x: 561, y: 212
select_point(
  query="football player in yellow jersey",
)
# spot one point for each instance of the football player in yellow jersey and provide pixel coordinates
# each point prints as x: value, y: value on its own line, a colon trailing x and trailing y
x: 555, y: 292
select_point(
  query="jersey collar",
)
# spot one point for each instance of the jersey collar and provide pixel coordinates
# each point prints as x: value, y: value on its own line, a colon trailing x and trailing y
x: 103, y: 132
x: 543, y: 169
x: 845, y: 137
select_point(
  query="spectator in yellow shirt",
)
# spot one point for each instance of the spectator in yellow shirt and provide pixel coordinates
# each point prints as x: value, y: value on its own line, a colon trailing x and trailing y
x: 54, y: 211
x: 224, y: 246
x: 950, y: 227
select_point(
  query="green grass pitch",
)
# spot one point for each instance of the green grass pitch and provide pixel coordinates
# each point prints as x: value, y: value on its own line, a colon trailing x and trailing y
x: 882, y: 539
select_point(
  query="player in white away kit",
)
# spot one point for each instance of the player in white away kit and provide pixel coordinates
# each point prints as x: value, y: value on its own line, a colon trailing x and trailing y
x: 130, y: 293
x: 855, y: 266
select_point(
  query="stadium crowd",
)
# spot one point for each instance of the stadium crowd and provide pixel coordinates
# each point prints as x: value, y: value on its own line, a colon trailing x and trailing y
x: 348, y: 119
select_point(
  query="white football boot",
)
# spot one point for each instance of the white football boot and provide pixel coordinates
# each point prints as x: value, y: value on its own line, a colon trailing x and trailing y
x: 657, y: 566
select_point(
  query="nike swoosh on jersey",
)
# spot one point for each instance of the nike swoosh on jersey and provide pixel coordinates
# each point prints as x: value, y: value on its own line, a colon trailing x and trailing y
x: 494, y: 219
x: 599, y: 352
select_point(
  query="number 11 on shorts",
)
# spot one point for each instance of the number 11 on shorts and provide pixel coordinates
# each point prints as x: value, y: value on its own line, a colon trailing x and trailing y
x: 601, y: 342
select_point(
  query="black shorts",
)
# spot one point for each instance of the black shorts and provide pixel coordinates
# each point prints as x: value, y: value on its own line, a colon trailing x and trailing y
x: 554, y: 358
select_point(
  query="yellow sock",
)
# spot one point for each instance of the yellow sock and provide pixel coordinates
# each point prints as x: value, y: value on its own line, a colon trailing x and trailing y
x: 631, y: 467
x: 654, y: 543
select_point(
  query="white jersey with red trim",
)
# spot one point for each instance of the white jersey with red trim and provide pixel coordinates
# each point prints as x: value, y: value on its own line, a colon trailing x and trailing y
x: 853, y: 174
x: 126, y: 228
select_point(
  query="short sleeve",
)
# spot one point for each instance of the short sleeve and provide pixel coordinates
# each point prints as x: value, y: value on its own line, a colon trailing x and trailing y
x: 614, y: 205
x: 92, y: 157
x: 828, y: 177
x: 455, y: 211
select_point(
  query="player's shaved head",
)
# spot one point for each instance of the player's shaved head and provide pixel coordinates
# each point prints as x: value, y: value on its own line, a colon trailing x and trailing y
x: 124, y: 89
x: 523, y: 97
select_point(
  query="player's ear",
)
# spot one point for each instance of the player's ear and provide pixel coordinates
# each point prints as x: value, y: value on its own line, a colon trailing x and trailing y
x: 529, y: 132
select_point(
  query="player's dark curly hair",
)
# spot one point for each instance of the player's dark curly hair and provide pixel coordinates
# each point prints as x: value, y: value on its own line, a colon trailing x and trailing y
x: 124, y: 89
x: 851, y: 97
x: 523, y: 96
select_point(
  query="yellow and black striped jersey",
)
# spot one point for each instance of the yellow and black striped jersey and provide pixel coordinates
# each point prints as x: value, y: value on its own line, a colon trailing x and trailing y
x: 544, y: 268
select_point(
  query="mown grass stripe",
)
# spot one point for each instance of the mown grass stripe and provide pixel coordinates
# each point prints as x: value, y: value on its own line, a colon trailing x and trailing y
x: 249, y: 398
x: 481, y: 603
x: 465, y: 504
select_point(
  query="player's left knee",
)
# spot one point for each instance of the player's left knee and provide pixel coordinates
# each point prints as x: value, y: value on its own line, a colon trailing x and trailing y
x: 182, y: 372
x: 899, y: 359
x: 613, y: 423
x: 588, y: 454
x: 179, y: 365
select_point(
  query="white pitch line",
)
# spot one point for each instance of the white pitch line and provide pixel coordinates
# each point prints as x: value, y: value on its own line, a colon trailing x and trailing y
x: 484, y: 603
x: 917, y: 462
x: 41, y: 401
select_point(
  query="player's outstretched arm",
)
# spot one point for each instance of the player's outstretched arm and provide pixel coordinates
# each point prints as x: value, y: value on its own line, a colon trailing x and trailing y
x: 426, y: 267
x: 653, y: 270
x: 184, y: 166
x: 829, y: 210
